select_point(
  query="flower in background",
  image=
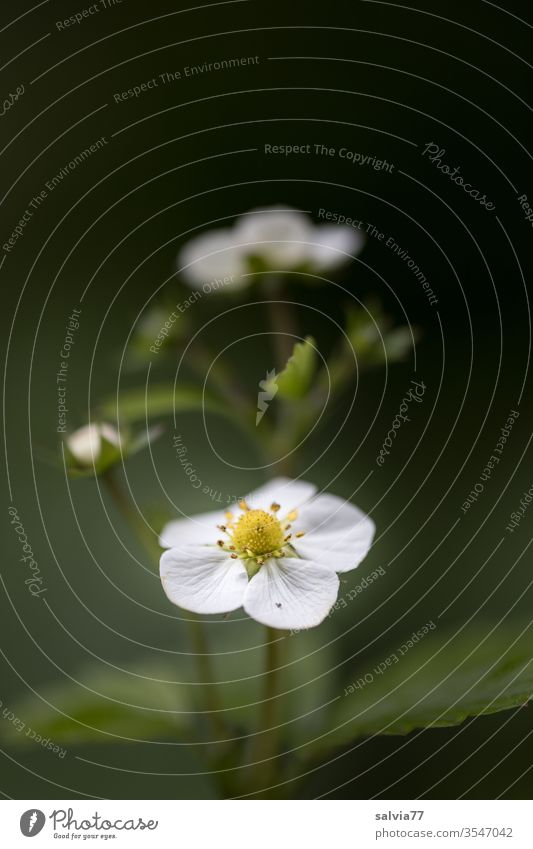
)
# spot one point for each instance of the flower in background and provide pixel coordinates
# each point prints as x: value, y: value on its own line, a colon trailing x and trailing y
x: 276, y: 239
x: 87, y: 444
x: 277, y: 554
x: 94, y: 448
x: 213, y: 255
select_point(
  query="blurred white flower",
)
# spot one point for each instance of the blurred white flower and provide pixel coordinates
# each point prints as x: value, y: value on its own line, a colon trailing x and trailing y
x: 86, y: 443
x: 278, y: 236
x: 333, y: 245
x: 276, y: 554
x: 211, y: 256
x: 279, y: 239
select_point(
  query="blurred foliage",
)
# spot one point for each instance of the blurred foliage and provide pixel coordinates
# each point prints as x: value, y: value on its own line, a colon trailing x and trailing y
x: 295, y: 379
x: 160, y: 399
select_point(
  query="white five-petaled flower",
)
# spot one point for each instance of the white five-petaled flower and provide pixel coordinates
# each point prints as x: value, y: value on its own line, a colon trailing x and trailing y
x: 277, y: 554
x: 281, y: 238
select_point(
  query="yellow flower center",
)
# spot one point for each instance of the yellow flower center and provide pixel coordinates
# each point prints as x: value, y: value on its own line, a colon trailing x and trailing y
x: 258, y: 532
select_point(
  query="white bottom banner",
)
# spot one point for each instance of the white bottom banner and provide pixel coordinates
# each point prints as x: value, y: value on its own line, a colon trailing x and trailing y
x: 267, y: 824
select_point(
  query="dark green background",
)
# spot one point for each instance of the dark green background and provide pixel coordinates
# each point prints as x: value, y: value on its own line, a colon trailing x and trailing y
x: 411, y: 75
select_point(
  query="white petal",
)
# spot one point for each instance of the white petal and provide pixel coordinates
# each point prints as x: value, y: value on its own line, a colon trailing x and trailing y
x: 197, y: 530
x: 280, y: 235
x: 334, y: 245
x: 203, y: 580
x: 85, y: 444
x: 289, y: 494
x: 291, y: 593
x: 337, y: 534
x: 110, y: 433
x: 213, y: 256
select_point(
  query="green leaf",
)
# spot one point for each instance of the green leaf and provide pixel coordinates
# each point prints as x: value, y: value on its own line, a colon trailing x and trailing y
x: 373, y: 339
x: 160, y: 400
x: 438, y: 681
x: 144, y: 438
x: 398, y: 343
x: 105, y: 706
x: 296, y: 377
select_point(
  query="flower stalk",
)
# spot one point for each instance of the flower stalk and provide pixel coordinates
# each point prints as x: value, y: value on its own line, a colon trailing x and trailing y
x: 266, y: 744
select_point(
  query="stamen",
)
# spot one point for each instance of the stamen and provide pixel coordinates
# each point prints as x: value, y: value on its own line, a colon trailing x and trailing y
x: 222, y: 528
x: 220, y: 542
x: 288, y: 537
x: 243, y: 505
x: 234, y: 557
x: 275, y: 507
x: 292, y: 515
x: 300, y: 534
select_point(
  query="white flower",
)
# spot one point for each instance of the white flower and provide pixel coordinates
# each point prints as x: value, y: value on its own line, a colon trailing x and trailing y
x: 276, y: 554
x: 212, y: 256
x: 333, y: 245
x: 86, y: 443
x: 280, y: 238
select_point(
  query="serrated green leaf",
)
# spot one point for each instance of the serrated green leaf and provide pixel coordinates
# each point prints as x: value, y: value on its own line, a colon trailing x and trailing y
x: 296, y: 377
x: 440, y: 681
